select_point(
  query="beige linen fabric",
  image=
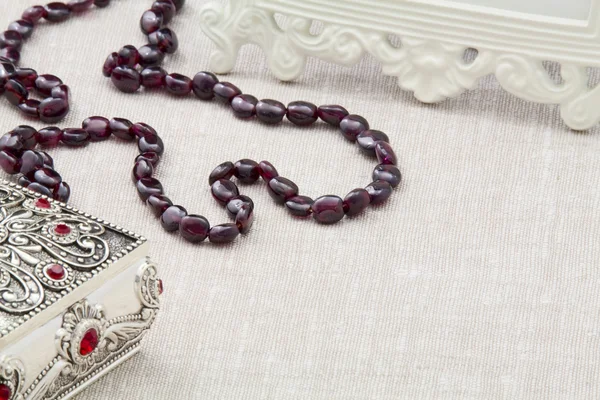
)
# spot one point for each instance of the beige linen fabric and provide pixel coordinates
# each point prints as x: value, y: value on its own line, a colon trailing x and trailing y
x: 478, y: 280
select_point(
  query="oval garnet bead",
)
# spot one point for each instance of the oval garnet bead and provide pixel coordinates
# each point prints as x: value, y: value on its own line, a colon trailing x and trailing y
x: 15, y: 92
x: 27, y: 134
x: 12, y: 143
x: 110, y: 64
x: 26, y: 76
x: 31, y: 161
x: 9, y: 163
x: 153, y: 77
x: 126, y: 79
x: 30, y: 107
x: 352, y: 126
x: 142, y: 169
x: 24, y: 27
x: 194, y: 228
x: 165, y: 39
x: 75, y: 137
x: 222, y: 171
x: 53, y: 110
x: 57, y: 12
x: 385, y: 153
x: 45, y: 83
x: 158, y: 203
x: 11, y: 39
x: 356, y: 202
x: 282, y: 189
x: 98, y: 128
x: 39, y: 188
x: 367, y: 140
x: 101, y: 3
x: 62, y: 192
x: 332, y: 114
x: 128, y: 56
x: 141, y: 130
x: 178, y: 84
x: 235, y: 205
x: 379, y: 192
x: 171, y: 218
x: 80, y: 5
x: 226, y: 91
x: 60, y: 92
x: 146, y: 187
x: 121, y: 128
x: 151, y: 143
x: 224, y: 191
x: 167, y: 8
x: 48, y: 161
x: 151, y: 21
x: 246, y: 171
x: 302, y: 113
x: 388, y: 173
x: 270, y: 111
x: 150, y: 55
x: 299, y: 206
x: 328, y: 209
x: 46, y: 176
x: 50, y: 136
x: 244, y: 219
x: 150, y: 156
x: 224, y: 233
x: 203, y: 84
x: 267, y: 171
x: 244, y: 105
x: 34, y: 14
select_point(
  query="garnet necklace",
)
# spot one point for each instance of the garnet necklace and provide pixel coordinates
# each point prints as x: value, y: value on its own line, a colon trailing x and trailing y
x: 132, y: 68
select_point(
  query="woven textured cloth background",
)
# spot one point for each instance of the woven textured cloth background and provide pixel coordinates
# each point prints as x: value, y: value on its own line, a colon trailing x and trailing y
x: 479, y: 279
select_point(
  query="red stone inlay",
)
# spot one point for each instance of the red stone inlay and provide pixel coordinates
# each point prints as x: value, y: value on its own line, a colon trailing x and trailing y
x: 55, y: 272
x: 161, y: 288
x: 42, y: 203
x: 5, y: 392
x: 89, y: 342
x: 62, y: 229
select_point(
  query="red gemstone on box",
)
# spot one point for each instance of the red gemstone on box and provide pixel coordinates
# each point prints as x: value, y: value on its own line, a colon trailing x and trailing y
x: 89, y: 342
x: 55, y: 272
x: 5, y: 392
x: 42, y: 203
x: 62, y: 229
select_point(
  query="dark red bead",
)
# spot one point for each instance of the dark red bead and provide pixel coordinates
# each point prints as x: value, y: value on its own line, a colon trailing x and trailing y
x: 50, y: 136
x: 328, y: 209
x: 388, y: 173
x: 23, y: 181
x: 224, y: 233
x: 244, y: 219
x: 226, y: 91
x: 194, y: 228
x: 267, y: 171
x: 366, y: 140
x: 26, y: 76
x: 282, y: 189
x: 178, y: 4
x: 31, y: 161
x: 9, y: 162
x: 128, y: 56
x: 101, y: 3
x: 150, y: 55
x: 46, y: 176
x: 379, y: 192
x: 121, y: 128
x: 167, y: 8
x: 299, y: 206
x: 30, y: 107
x: 246, y: 171
x: 10, y: 54
x: 165, y: 39
x: 34, y: 14
x: 270, y: 111
x: 142, y: 169
x: 11, y: 39
x: 45, y: 83
x: 98, y: 128
x: 60, y: 92
x: 15, y: 92
x: 62, y: 192
x: 171, y: 218
x: 222, y: 171
x: 203, y: 85
x: 352, y: 126
x: 151, y: 21
x: 385, y: 153
x: 41, y: 189
x: 48, y: 161
x: 27, y: 135
x: 151, y: 143
x: 224, y: 191
x: 153, y: 77
x: 57, y: 11
x: 146, y: 187
x: 12, y: 143
x: 178, y: 84
x: 356, y: 202
x: 126, y: 79
x: 150, y: 156
x: 75, y: 137
x: 158, y: 203
x: 7, y: 69
x: 24, y: 27
x: 244, y: 105
x: 235, y: 205
x: 332, y: 114
x: 110, y: 64
x: 53, y: 110
x: 302, y: 113
x: 80, y: 5
x: 141, y: 130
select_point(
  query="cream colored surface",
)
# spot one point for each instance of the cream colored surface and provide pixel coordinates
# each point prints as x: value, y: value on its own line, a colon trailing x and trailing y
x: 479, y: 279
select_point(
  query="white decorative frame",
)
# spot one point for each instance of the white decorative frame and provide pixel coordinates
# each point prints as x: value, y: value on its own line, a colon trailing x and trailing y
x: 434, y: 36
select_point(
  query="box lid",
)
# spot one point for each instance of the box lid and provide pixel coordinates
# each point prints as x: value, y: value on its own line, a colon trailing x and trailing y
x: 51, y: 256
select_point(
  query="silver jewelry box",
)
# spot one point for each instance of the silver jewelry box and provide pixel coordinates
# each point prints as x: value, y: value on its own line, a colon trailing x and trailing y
x: 77, y: 296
